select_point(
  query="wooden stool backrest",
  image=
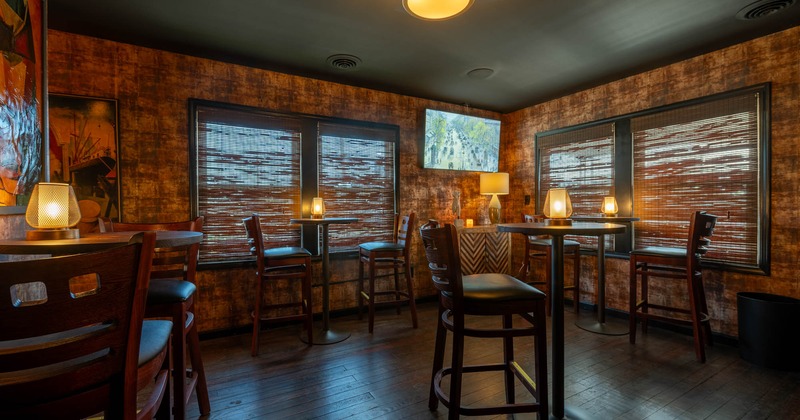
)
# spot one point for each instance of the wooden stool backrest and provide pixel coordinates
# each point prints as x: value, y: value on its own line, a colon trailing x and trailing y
x: 402, y: 228
x: 701, y: 228
x: 441, y: 250
x: 168, y: 263
x: 69, y: 341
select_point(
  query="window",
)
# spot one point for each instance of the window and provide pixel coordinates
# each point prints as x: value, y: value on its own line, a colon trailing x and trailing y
x: 582, y: 161
x: 357, y: 178
x: 709, y: 154
x: 247, y: 160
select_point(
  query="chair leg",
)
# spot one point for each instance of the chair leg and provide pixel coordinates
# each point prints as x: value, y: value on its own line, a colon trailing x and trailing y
x: 179, y: 361
x: 371, y: 300
x: 412, y: 306
x: 360, y: 288
x: 508, y: 357
x: 697, y: 329
x: 645, y: 299
x: 164, y: 410
x: 256, y: 320
x: 703, y: 307
x: 438, y: 357
x: 540, y: 371
x: 308, y: 305
x: 632, y: 302
x: 457, y: 368
x: 201, y: 388
x: 397, y: 296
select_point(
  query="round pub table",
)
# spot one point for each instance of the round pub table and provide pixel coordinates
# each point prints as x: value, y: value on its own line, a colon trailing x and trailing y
x: 557, y: 292
x: 325, y: 335
x: 92, y: 242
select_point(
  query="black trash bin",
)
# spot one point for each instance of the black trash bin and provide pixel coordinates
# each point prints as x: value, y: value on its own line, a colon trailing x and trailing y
x: 768, y: 330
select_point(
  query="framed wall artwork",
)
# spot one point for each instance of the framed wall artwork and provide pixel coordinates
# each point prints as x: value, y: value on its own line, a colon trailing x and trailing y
x: 22, y: 101
x: 84, y: 151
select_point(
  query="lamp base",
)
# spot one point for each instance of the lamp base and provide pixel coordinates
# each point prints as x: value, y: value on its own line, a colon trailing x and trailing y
x: 558, y: 222
x: 317, y: 216
x: 52, y: 234
x: 494, y: 215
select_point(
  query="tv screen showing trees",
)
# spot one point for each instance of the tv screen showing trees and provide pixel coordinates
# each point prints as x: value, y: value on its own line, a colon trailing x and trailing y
x: 461, y: 142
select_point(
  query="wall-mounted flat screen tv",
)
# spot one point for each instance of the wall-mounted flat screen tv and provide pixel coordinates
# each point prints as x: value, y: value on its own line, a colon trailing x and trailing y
x: 461, y: 142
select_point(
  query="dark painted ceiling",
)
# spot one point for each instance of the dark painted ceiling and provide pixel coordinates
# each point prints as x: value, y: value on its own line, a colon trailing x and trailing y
x: 537, y: 49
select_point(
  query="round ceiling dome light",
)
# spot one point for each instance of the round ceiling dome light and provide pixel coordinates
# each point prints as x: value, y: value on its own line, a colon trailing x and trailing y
x: 436, y: 9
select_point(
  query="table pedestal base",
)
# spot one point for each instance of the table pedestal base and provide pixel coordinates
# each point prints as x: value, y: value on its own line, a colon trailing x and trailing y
x: 606, y: 328
x: 325, y: 336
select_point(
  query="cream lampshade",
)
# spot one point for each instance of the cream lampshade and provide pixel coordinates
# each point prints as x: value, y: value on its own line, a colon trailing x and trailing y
x: 558, y: 207
x: 493, y: 184
x: 317, y: 208
x: 436, y: 9
x: 52, y: 211
x: 609, y: 207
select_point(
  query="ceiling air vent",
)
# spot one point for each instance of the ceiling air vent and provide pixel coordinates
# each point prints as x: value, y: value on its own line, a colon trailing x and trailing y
x: 763, y: 8
x: 344, y: 62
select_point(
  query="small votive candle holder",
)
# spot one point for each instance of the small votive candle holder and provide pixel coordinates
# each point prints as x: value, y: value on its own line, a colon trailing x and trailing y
x: 470, y: 222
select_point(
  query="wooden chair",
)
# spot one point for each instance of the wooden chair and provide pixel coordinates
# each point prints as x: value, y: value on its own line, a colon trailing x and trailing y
x: 490, y: 294
x: 681, y: 264
x: 171, y: 295
x: 541, y: 246
x: 291, y: 262
x: 73, y: 342
x: 384, y: 255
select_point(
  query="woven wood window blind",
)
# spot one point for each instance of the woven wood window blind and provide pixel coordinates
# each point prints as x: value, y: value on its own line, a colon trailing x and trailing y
x: 357, y: 179
x: 246, y: 162
x: 582, y: 161
x: 699, y: 157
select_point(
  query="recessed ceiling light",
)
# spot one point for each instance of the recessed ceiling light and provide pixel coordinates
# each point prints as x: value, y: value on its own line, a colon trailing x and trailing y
x: 436, y: 9
x: 481, y: 73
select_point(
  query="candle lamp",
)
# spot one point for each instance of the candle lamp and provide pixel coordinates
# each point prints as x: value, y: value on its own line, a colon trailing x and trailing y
x: 52, y: 211
x: 609, y: 207
x: 317, y: 208
x: 558, y: 207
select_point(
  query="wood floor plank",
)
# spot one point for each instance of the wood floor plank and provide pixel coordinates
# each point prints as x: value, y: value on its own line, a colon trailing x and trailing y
x: 386, y: 375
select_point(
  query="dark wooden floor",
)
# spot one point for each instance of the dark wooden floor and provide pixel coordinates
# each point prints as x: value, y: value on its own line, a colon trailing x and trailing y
x: 385, y: 375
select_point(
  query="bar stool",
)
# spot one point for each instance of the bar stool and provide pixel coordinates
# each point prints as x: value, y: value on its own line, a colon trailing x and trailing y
x: 171, y: 295
x: 383, y: 255
x: 541, y: 246
x: 490, y: 294
x: 88, y: 308
x: 291, y: 262
x: 682, y: 264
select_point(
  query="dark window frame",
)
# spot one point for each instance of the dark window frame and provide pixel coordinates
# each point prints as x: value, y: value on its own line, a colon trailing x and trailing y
x: 624, y: 183
x: 309, y: 165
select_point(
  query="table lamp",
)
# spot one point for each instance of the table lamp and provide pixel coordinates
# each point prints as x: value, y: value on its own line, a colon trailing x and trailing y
x: 558, y: 207
x: 609, y: 207
x: 493, y: 184
x: 317, y: 208
x: 52, y: 211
